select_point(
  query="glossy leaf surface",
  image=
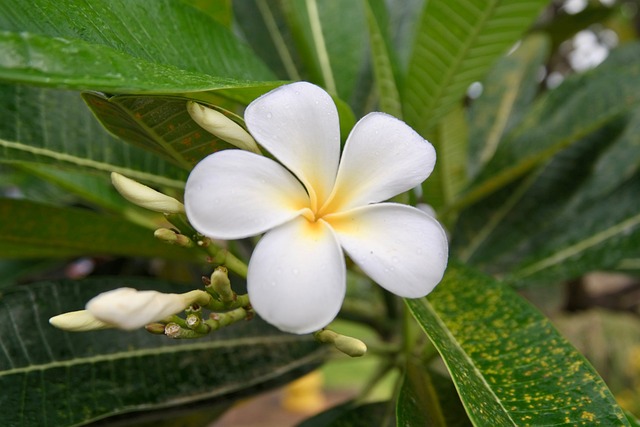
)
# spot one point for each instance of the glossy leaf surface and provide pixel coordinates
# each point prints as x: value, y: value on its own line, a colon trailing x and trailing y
x: 62, y: 378
x: 32, y: 230
x: 36, y: 130
x: 456, y: 43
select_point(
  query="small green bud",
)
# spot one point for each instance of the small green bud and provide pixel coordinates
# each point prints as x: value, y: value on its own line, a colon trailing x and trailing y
x: 173, y: 238
x: 221, y: 284
x: 155, y: 328
x: 348, y: 345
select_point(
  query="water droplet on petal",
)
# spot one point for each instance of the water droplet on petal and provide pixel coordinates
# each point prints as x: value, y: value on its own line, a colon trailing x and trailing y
x: 269, y: 115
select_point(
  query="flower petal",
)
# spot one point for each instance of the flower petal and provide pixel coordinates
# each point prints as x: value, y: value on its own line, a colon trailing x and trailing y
x: 400, y: 247
x: 298, y: 123
x: 234, y: 194
x: 382, y: 157
x: 297, y: 276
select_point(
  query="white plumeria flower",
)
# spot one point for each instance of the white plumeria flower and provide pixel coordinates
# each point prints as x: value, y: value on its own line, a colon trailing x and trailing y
x: 313, y: 204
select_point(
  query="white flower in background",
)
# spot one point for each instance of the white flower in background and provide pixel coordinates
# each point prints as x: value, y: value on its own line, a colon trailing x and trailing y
x: 313, y: 204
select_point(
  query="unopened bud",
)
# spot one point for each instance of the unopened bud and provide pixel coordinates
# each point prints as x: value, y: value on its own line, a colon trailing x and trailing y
x: 172, y: 238
x: 172, y: 330
x: 155, y: 328
x: 128, y: 308
x: 221, y: 284
x: 143, y: 196
x: 78, y: 321
x: 348, y: 345
x: 221, y: 126
x: 175, y: 331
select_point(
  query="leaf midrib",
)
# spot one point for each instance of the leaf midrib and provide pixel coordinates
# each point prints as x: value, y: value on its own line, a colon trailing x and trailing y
x: 458, y: 60
x: 90, y: 163
x: 154, y: 351
x: 469, y: 360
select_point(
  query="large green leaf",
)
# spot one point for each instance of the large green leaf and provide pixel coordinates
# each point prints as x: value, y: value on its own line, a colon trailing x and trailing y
x: 161, y: 125
x: 497, y: 232
x: 588, y: 235
x: 331, y: 40
x: 76, y: 64
x: 32, y: 230
x: 418, y: 403
x: 429, y: 398
x: 510, y: 365
x: 385, y: 65
x: 559, y: 223
x: 138, y: 32
x: 449, y: 177
x: 508, y: 91
x: 56, y: 378
x: 264, y: 27
x: 577, y: 108
x: 456, y: 42
x: 35, y: 129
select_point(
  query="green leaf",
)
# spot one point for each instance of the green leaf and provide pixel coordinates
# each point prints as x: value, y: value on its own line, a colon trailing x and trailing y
x: 385, y: 66
x: 264, y: 27
x: 418, y: 401
x: 63, y: 379
x: 351, y: 414
x: 220, y: 10
x: 331, y: 39
x: 557, y: 223
x: 165, y: 32
x: 509, y: 364
x: 508, y: 91
x: 94, y: 189
x: 32, y: 230
x: 428, y: 398
x: 456, y: 43
x: 450, y: 174
x: 496, y: 233
x: 76, y: 64
x: 35, y: 129
x: 577, y: 108
x: 633, y: 420
x: 160, y: 125
x: 587, y: 236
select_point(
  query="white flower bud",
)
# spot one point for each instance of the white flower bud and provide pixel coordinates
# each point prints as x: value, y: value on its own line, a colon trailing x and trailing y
x: 78, y: 321
x: 143, y: 196
x: 128, y: 308
x: 221, y: 126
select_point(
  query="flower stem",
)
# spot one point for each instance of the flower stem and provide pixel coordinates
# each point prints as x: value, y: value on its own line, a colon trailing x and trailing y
x: 219, y: 320
x: 222, y: 256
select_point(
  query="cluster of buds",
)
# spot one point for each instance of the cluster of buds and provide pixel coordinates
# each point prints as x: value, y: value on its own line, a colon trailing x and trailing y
x: 129, y: 309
